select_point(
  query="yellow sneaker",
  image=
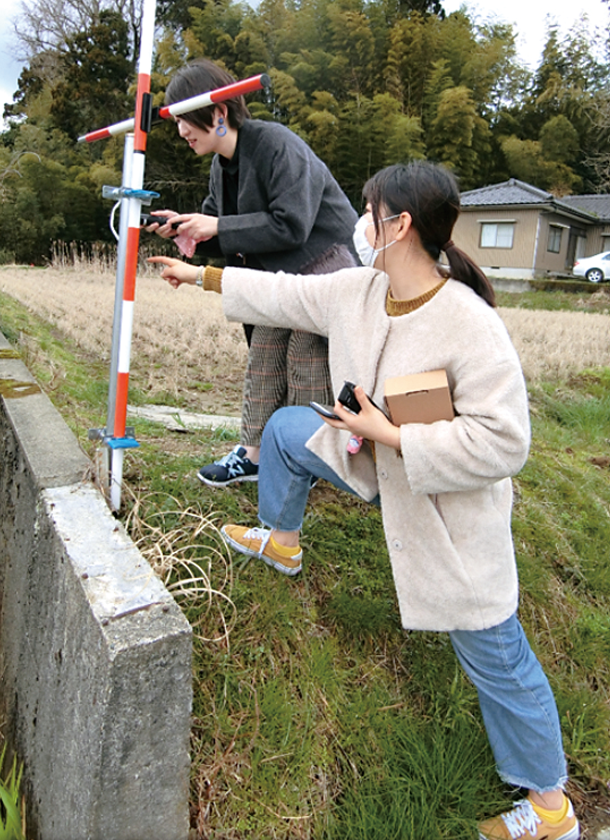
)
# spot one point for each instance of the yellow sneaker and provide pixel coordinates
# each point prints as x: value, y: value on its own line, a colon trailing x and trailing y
x: 522, y: 822
x: 256, y: 542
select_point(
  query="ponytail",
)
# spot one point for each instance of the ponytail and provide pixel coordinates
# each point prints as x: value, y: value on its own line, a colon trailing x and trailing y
x: 464, y: 269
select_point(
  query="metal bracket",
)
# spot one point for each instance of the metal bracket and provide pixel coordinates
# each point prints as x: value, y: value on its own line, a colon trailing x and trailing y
x: 127, y: 442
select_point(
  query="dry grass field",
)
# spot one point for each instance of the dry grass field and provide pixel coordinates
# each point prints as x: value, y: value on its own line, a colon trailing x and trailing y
x: 556, y: 345
x: 184, y: 349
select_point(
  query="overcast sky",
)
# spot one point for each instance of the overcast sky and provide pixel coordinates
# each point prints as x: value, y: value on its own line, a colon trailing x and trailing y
x: 529, y: 17
x: 9, y: 67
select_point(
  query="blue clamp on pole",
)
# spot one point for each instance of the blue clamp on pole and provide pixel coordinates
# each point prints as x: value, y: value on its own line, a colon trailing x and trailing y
x: 146, y: 196
x: 127, y: 442
x: 122, y: 443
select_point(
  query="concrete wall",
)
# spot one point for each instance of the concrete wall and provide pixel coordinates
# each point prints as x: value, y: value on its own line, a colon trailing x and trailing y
x: 95, y: 655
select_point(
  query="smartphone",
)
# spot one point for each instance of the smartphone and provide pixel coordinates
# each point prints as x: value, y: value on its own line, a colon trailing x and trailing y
x: 324, y: 411
x: 148, y: 219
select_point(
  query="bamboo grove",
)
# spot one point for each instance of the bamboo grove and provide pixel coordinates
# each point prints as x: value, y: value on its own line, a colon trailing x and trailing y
x: 366, y: 84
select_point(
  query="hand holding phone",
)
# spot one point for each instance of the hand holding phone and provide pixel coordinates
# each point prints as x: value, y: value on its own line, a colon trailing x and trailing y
x: 346, y: 397
x: 370, y: 425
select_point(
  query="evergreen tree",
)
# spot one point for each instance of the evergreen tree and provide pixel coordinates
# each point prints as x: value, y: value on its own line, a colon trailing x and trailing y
x: 454, y: 132
x: 409, y: 62
x: 527, y: 161
x: 97, y: 71
x: 439, y: 80
x: 353, y: 48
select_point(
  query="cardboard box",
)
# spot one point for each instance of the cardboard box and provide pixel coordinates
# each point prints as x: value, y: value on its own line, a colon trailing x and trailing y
x: 419, y: 398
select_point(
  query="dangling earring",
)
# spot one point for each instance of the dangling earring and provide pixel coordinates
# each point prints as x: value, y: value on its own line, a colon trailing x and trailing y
x: 221, y: 128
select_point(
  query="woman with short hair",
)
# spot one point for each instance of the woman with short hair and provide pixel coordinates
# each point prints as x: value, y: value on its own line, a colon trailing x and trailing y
x: 272, y: 205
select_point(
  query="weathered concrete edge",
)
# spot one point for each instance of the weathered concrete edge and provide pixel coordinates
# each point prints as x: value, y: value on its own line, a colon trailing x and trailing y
x: 95, y: 654
x: 515, y: 285
x: 49, y: 447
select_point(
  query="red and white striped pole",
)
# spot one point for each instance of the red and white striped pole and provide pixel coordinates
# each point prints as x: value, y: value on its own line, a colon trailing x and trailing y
x: 132, y: 191
x: 131, y: 195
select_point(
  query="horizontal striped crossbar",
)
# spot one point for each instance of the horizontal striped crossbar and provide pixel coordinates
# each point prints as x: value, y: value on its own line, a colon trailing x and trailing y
x: 202, y: 100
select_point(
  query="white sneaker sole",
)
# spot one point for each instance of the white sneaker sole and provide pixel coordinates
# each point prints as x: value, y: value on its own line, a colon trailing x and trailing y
x: 212, y: 483
x: 573, y: 834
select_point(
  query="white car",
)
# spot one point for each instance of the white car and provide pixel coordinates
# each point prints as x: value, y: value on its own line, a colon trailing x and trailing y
x: 595, y: 268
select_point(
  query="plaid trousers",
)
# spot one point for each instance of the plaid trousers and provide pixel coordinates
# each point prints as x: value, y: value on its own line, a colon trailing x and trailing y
x: 288, y: 367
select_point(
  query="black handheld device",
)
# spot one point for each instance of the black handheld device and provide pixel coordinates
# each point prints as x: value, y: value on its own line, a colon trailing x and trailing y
x: 348, y: 398
x: 148, y: 219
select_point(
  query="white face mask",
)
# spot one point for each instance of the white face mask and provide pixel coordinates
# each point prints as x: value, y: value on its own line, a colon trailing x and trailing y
x: 367, y: 253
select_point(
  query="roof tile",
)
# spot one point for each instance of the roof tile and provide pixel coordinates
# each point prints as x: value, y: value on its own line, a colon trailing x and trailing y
x: 514, y: 192
x: 599, y: 205
x: 508, y: 192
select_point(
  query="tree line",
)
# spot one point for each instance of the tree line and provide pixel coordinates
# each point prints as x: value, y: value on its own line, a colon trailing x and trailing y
x: 365, y: 82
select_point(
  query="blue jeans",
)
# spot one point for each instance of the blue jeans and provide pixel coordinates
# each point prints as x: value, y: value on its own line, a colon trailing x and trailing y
x: 515, y: 697
x: 517, y: 704
x: 286, y: 468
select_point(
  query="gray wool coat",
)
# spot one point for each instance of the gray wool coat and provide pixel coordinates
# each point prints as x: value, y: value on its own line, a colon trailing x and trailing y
x: 290, y: 209
x: 446, y: 497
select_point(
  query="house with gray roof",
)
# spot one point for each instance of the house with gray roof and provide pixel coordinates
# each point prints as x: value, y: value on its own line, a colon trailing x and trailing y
x: 598, y: 206
x: 513, y: 229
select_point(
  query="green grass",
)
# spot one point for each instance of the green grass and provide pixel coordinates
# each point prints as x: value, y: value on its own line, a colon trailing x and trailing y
x: 315, y: 715
x: 564, y: 296
x: 10, y: 805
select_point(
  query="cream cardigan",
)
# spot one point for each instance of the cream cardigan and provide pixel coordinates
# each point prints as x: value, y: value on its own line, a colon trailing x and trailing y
x: 446, y: 498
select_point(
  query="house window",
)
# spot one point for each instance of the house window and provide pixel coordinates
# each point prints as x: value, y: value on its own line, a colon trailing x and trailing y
x: 554, y: 239
x: 497, y: 234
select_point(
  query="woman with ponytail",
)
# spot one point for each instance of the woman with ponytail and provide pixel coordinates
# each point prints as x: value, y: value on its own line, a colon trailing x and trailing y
x: 444, y: 487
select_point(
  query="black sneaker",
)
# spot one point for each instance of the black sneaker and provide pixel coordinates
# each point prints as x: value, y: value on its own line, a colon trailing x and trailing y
x: 233, y: 467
